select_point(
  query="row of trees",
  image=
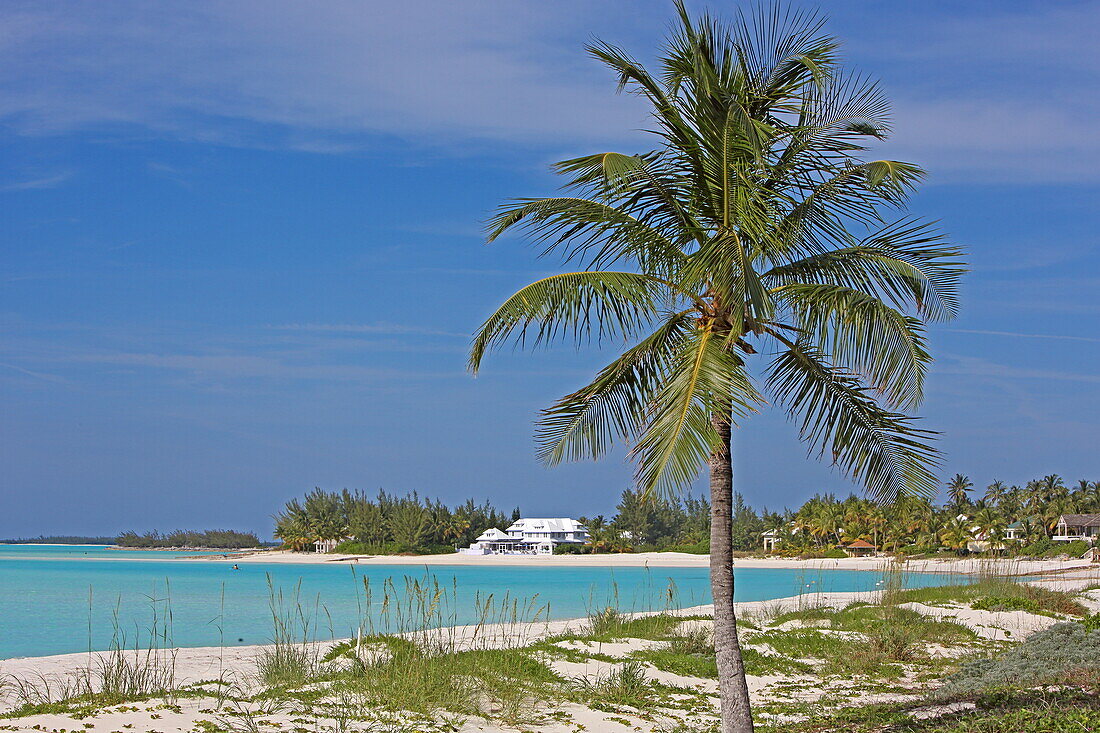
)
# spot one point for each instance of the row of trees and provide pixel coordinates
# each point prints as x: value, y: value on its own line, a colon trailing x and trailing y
x: 222, y: 539
x: 645, y: 524
x: 913, y: 523
x: 386, y: 523
x: 910, y: 524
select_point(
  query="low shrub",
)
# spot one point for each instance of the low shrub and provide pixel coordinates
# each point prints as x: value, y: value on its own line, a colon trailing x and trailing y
x: 1007, y: 603
x: 1037, y: 548
x: 835, y: 553
x: 1064, y: 652
x: 351, y: 547
x: 572, y: 549
x: 699, y: 548
x: 1076, y: 548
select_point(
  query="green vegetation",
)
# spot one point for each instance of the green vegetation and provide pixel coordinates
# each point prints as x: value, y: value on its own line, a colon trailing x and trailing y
x: 386, y: 524
x: 1015, y: 711
x: 991, y: 593
x: 1065, y: 653
x: 220, y: 539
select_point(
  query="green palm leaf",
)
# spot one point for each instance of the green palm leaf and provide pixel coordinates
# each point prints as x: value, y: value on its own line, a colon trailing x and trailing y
x: 579, y: 303
x: 839, y: 417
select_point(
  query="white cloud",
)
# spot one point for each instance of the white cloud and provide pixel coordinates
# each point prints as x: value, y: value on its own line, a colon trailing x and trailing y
x: 38, y: 182
x: 373, y: 328
x: 991, y: 95
x: 310, y: 75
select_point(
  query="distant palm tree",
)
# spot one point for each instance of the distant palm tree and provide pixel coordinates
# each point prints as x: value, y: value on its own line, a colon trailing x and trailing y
x: 958, y: 491
x: 736, y: 237
x: 956, y: 535
x: 995, y: 492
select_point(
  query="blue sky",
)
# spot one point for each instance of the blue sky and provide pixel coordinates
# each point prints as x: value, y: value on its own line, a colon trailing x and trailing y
x: 240, y: 251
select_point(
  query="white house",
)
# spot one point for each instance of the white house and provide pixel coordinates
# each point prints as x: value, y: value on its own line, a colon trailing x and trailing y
x: 327, y: 545
x: 529, y: 536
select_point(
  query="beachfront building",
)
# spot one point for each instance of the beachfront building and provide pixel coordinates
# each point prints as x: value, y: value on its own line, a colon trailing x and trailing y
x: 328, y: 545
x: 1072, y: 527
x: 771, y: 539
x: 1016, y: 532
x: 530, y: 536
x: 860, y: 548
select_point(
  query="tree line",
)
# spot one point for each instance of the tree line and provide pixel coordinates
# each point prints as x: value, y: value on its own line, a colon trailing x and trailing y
x: 221, y: 539
x: 388, y: 523
x: 653, y: 524
x: 59, y: 540
x: 384, y: 524
x: 918, y: 525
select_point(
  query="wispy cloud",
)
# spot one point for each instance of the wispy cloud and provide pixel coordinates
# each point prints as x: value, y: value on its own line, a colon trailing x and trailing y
x: 391, y: 329
x: 40, y: 182
x: 1014, y: 334
x: 978, y: 367
x: 313, y: 77
x: 36, y: 375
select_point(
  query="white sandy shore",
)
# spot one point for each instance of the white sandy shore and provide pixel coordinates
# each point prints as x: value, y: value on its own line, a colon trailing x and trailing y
x: 1008, y: 566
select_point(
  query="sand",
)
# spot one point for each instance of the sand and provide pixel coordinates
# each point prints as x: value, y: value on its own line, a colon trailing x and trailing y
x: 666, y: 559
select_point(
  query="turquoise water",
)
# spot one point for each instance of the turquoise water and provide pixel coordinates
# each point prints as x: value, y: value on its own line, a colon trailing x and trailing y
x: 56, y: 600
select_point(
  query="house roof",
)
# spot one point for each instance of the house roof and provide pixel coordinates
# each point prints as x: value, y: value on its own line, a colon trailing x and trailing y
x: 861, y: 545
x: 539, y: 524
x: 492, y: 534
x: 1080, y: 520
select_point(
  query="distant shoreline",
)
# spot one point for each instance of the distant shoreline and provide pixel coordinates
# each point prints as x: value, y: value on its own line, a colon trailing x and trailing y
x: 962, y: 566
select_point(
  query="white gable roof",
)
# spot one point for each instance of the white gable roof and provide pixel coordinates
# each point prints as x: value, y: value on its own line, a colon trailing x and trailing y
x: 491, y: 534
x: 539, y: 524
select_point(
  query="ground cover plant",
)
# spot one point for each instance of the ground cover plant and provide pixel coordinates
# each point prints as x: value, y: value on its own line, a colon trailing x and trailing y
x: 997, y: 593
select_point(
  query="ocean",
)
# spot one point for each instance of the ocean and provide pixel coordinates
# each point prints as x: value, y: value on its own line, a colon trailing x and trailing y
x: 61, y: 599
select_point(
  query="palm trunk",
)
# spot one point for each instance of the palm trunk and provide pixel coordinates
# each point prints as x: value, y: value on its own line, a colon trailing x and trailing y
x: 733, y: 688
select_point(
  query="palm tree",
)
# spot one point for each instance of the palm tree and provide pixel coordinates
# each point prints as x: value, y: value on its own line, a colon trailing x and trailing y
x: 956, y: 535
x: 755, y: 226
x: 995, y: 492
x: 958, y: 490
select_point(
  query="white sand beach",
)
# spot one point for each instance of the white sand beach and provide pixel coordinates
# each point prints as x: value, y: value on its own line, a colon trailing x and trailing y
x: 967, y: 566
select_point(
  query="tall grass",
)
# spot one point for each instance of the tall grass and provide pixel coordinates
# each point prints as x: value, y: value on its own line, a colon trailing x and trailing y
x: 135, y: 665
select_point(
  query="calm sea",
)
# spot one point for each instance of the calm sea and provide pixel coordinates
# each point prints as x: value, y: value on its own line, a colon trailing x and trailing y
x: 56, y: 600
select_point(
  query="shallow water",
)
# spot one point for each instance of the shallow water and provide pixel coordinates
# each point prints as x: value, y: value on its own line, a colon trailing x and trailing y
x: 55, y: 600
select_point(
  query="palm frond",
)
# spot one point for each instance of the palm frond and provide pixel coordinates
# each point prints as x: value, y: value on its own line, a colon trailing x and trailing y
x: 679, y: 436
x: 839, y: 417
x: 908, y: 263
x: 583, y: 304
x: 585, y: 423
x: 859, y: 331
x: 592, y: 232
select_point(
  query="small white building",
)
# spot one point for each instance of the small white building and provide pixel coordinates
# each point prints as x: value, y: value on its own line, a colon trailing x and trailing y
x: 327, y: 545
x: 530, y: 536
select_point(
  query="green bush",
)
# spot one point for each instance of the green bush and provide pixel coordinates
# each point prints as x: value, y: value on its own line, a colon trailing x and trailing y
x: 699, y: 548
x: 1046, y: 657
x: 572, y: 549
x: 834, y: 553
x: 1076, y: 548
x: 351, y: 547
x: 1007, y: 603
x: 1037, y: 548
